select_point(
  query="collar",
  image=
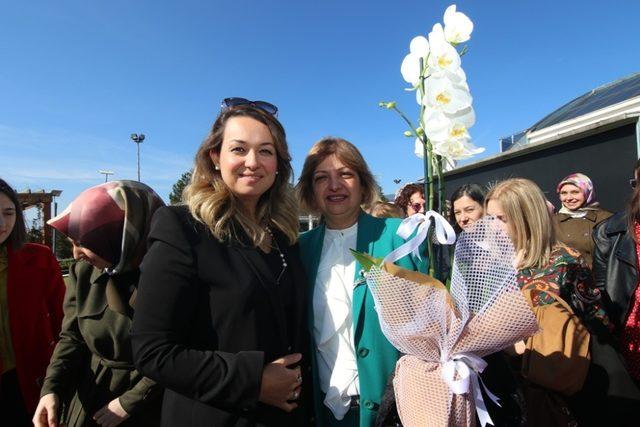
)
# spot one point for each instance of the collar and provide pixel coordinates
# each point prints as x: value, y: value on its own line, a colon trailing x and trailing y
x: 587, y: 213
x: 345, y: 232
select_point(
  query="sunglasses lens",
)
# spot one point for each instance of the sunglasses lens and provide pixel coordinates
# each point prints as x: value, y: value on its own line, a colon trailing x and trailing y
x: 264, y: 106
x: 267, y: 107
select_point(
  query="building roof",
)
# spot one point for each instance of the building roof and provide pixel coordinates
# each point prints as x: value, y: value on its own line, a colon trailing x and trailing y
x: 609, y: 94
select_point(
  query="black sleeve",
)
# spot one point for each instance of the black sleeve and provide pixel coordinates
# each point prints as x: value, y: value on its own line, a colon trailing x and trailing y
x: 601, y: 254
x: 167, y: 298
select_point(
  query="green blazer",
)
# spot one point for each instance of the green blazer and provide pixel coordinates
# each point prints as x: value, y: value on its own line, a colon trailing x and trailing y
x: 376, y: 357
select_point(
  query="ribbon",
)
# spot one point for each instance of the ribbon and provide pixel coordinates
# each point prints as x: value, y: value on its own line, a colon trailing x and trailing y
x: 469, y: 366
x: 444, y: 234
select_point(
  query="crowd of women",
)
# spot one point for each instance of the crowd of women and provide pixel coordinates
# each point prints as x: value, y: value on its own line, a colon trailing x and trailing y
x: 217, y: 312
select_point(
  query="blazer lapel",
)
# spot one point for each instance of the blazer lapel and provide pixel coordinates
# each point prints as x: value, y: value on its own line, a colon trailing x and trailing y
x: 365, y: 243
x: 299, y: 287
x: 261, y: 270
x: 310, y: 253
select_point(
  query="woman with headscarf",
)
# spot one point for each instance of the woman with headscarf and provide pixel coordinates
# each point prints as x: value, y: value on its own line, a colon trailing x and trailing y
x: 91, y: 379
x: 31, y: 293
x: 580, y: 212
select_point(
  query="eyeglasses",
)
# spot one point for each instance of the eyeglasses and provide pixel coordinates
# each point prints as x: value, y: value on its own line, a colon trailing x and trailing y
x: 262, y: 105
x: 633, y: 182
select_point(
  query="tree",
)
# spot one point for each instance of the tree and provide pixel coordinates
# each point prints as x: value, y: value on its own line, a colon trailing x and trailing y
x: 35, y: 233
x: 176, y: 192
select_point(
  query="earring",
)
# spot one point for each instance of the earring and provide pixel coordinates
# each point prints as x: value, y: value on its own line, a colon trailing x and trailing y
x: 216, y: 167
x: 277, y: 172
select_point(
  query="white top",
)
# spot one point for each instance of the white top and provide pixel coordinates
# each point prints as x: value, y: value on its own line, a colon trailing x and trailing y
x: 333, y: 320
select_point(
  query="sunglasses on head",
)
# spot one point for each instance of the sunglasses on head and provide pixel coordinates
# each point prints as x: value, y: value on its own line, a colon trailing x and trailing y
x: 262, y: 105
x: 416, y: 206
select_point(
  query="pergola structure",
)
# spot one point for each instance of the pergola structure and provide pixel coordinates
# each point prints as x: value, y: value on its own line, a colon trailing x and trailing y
x: 29, y: 199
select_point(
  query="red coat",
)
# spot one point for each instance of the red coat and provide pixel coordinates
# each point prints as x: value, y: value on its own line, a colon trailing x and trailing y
x: 35, y: 291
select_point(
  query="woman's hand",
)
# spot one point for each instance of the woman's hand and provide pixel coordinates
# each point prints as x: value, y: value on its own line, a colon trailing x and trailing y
x: 47, y: 411
x: 281, y: 383
x: 111, y: 414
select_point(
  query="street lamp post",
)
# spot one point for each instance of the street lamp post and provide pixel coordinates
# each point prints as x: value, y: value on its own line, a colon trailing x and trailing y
x: 106, y: 174
x: 138, y: 140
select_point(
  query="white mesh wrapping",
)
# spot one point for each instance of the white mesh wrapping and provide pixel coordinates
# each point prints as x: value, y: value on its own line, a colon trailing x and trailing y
x: 484, y: 312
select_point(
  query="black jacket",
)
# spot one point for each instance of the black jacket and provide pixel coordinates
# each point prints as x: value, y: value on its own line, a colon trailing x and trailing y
x: 209, y: 317
x: 615, y: 266
x: 609, y: 387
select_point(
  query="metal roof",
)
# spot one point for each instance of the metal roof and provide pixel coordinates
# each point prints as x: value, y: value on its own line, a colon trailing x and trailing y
x: 596, y: 99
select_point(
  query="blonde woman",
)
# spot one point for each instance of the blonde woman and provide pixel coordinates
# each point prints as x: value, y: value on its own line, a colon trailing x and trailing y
x: 220, y: 311
x: 551, y: 270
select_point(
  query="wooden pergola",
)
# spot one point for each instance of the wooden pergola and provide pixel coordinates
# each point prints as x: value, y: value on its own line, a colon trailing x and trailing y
x: 29, y: 199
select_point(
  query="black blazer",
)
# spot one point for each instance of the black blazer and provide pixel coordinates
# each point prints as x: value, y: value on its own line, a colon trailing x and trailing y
x: 208, y: 319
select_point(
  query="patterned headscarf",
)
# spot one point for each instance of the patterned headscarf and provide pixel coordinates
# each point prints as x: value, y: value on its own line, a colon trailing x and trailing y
x: 112, y: 220
x: 583, y: 182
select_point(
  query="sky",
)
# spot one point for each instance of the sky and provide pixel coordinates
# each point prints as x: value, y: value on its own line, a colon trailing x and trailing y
x: 78, y: 77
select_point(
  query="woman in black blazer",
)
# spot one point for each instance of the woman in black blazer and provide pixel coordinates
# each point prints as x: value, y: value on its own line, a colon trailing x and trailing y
x: 220, y: 310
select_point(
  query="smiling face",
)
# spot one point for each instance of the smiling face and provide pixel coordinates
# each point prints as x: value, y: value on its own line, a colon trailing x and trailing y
x: 467, y: 211
x: 337, y: 193
x: 571, y: 197
x: 82, y: 253
x: 247, y: 159
x: 7, y: 217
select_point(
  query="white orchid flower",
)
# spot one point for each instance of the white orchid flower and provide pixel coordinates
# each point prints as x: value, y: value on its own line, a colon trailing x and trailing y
x: 440, y: 126
x: 410, y: 68
x: 444, y: 57
x: 457, y: 26
x: 456, y: 149
x: 442, y: 94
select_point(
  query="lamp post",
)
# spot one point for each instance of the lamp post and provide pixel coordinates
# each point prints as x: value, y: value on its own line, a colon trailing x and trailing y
x: 54, y: 194
x: 106, y: 174
x: 138, y: 140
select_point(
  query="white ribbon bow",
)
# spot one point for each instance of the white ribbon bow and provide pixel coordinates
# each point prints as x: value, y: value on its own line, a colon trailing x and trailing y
x: 444, y: 234
x: 469, y: 366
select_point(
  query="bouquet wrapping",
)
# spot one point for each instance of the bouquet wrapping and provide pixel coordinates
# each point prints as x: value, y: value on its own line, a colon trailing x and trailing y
x: 444, y: 334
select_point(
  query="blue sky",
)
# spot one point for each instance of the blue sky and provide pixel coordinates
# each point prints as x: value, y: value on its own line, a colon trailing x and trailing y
x: 78, y: 77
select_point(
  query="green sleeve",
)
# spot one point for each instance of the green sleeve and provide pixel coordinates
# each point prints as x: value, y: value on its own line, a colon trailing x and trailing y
x: 71, y: 350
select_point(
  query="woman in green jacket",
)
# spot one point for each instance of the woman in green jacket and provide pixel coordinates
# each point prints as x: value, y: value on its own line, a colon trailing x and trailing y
x: 351, y: 358
x: 91, y: 379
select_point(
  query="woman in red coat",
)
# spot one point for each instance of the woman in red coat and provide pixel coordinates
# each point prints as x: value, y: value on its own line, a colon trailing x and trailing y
x: 31, y: 293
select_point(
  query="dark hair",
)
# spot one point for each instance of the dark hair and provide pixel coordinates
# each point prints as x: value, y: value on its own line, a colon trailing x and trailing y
x: 474, y: 192
x: 633, y: 206
x: 18, y: 236
x: 350, y: 156
x: 403, y: 199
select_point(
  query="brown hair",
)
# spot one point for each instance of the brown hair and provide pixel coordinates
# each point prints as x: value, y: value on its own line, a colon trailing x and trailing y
x: 350, y: 156
x: 211, y: 202
x: 386, y: 210
x: 633, y: 206
x: 403, y: 199
x: 18, y: 236
x: 531, y: 227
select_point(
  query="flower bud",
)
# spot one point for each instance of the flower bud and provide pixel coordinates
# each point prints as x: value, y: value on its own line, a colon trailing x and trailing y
x: 408, y: 133
x: 391, y: 105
